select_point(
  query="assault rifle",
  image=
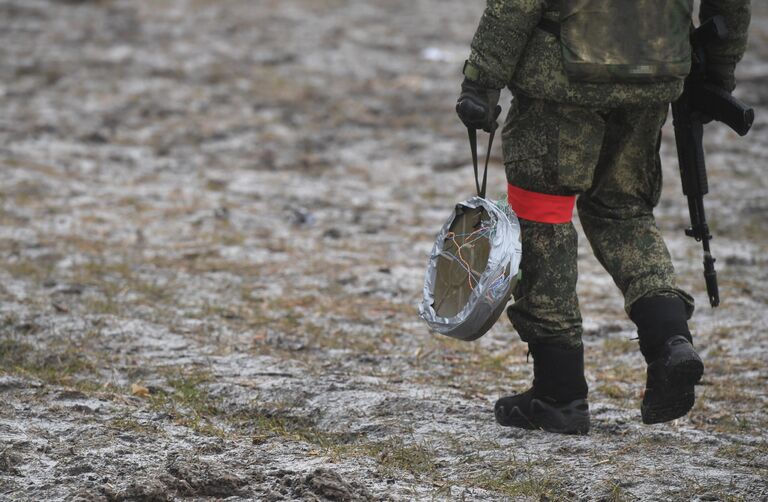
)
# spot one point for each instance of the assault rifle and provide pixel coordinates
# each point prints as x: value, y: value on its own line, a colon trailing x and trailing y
x: 701, y: 102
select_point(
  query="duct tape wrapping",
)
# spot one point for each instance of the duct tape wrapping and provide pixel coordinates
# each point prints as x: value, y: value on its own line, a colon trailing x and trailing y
x: 472, y: 269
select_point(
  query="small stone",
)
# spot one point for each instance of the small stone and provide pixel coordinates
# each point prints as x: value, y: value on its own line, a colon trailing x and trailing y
x: 332, y: 233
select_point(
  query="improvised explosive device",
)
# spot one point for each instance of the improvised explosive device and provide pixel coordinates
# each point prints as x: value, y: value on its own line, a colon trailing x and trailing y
x: 474, y: 264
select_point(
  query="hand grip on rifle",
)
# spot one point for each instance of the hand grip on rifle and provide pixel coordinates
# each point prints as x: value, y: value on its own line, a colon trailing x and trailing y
x: 718, y: 104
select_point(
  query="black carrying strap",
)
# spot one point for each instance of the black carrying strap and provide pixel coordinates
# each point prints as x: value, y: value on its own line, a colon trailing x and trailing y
x: 473, y: 148
x: 551, y: 27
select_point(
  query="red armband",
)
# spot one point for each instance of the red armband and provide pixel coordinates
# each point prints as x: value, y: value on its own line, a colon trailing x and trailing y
x: 540, y: 207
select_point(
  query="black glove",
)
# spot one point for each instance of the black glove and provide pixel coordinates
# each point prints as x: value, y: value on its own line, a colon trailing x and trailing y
x: 721, y: 75
x: 478, y: 107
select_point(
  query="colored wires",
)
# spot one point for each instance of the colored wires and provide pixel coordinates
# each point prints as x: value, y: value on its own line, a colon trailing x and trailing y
x: 469, y: 241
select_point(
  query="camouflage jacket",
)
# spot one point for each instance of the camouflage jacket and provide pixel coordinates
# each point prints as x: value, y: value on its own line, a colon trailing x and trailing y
x: 509, y: 50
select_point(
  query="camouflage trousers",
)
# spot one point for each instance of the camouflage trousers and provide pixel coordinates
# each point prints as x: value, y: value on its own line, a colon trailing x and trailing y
x: 609, y: 158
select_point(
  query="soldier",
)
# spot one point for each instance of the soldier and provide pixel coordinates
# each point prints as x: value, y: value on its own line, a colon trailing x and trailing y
x: 592, y: 81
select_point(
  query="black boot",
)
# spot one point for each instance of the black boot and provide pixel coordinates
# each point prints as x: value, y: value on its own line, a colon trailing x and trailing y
x: 673, y: 366
x: 557, y: 402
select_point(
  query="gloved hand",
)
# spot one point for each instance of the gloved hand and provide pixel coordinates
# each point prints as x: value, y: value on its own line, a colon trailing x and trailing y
x: 722, y: 75
x: 478, y: 106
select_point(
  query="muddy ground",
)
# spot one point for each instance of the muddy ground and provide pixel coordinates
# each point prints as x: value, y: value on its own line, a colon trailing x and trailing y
x: 214, y: 220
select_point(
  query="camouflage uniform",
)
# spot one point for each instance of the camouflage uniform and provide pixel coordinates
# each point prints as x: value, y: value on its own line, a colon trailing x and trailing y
x: 595, y: 140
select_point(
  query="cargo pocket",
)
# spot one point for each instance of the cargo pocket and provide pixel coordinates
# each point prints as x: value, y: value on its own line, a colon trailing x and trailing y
x: 654, y: 181
x: 580, y: 133
x: 525, y: 148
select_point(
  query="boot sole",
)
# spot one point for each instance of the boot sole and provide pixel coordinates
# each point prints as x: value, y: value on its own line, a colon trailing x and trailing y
x: 686, y: 373
x: 675, y: 405
x: 571, y: 418
x: 679, y: 395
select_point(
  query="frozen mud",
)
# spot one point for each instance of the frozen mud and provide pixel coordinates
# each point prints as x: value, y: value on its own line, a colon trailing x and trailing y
x: 214, y: 218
